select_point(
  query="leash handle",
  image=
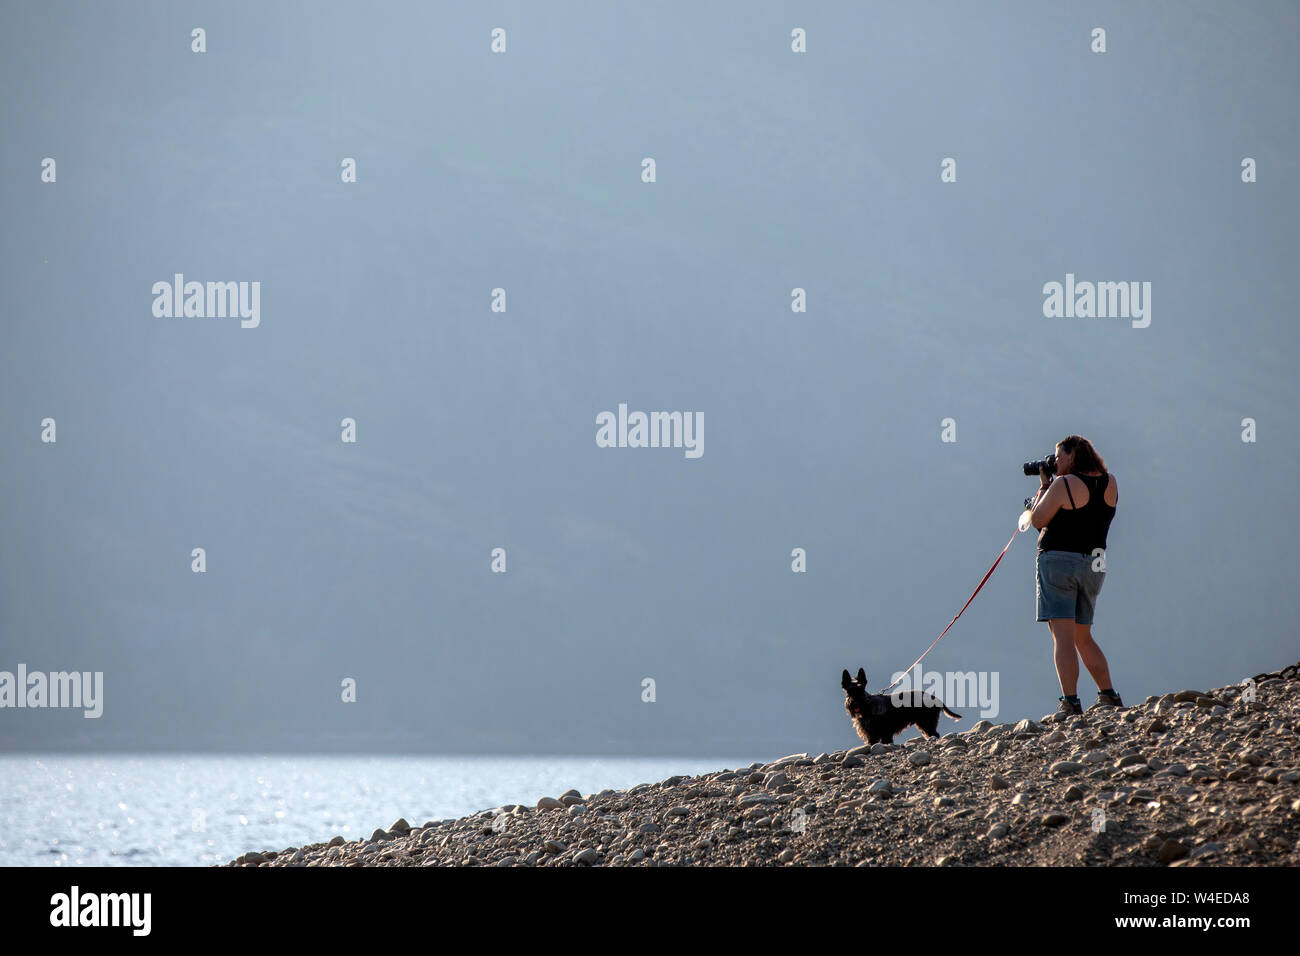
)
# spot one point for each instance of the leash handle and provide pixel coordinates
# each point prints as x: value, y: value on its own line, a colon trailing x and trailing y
x: 987, y: 575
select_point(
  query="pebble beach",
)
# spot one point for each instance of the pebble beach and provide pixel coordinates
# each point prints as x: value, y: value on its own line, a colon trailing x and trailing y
x: 1186, y: 778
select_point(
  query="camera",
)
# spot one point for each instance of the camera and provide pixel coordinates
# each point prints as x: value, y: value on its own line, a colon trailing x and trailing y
x: 1046, y: 465
x: 1034, y: 467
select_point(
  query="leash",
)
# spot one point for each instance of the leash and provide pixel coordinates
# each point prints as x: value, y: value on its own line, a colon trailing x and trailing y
x: 987, y: 575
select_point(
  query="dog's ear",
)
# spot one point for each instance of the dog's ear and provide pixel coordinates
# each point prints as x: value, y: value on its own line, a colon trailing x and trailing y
x: 846, y: 681
x: 862, y: 677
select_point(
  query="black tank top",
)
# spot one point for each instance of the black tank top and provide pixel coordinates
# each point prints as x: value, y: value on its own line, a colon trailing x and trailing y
x: 1080, y: 529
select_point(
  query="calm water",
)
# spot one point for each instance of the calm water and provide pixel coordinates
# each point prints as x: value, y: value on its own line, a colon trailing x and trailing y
x: 179, y: 810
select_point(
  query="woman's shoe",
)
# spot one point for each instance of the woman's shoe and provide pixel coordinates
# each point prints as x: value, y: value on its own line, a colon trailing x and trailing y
x: 1109, y: 699
x: 1069, y: 709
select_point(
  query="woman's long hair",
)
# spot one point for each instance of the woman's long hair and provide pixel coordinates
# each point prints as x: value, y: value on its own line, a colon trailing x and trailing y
x: 1085, y: 456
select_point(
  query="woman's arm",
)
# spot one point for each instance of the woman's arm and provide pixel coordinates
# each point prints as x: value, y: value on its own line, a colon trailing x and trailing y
x: 1050, y: 498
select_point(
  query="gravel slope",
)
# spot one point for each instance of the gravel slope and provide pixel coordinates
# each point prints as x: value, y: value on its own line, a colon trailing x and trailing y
x: 1186, y: 779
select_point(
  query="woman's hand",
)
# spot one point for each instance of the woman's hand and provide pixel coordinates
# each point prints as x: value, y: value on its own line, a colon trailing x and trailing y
x: 1036, y: 497
x: 1046, y: 503
x: 1046, y: 484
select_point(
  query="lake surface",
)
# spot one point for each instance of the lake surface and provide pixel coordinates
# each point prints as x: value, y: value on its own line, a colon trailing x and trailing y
x: 197, y: 810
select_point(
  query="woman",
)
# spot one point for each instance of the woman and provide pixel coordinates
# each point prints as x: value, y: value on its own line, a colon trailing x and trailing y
x: 1074, y: 512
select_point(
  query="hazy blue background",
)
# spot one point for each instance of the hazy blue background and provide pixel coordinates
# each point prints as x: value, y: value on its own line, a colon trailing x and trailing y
x: 477, y: 430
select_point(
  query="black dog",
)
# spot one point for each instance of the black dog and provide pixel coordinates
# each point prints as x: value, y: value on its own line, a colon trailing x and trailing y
x: 879, y: 718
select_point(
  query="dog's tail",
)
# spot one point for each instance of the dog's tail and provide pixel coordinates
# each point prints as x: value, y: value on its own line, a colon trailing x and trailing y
x: 950, y: 713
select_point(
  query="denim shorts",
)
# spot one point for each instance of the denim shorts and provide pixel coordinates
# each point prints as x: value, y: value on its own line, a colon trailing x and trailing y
x: 1067, y: 586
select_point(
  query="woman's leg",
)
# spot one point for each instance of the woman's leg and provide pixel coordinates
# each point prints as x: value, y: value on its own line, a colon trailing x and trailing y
x: 1093, y: 658
x: 1067, y: 658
